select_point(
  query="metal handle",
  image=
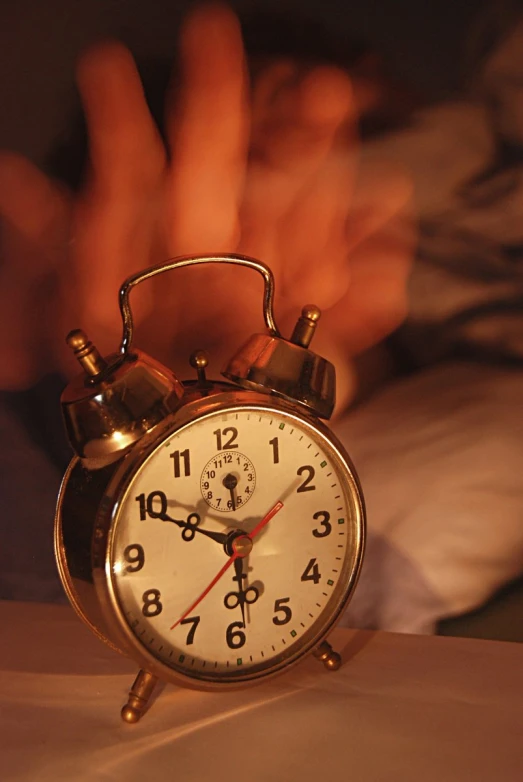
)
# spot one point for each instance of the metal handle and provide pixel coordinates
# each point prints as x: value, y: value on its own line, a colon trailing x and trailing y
x: 179, y: 263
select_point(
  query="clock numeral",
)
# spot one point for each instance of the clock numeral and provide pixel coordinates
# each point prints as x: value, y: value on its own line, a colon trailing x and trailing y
x: 325, y: 523
x: 194, y: 621
x: 235, y: 636
x: 151, y: 603
x: 286, y: 612
x: 135, y: 556
x: 154, y: 505
x: 311, y: 572
x: 223, y: 444
x: 306, y: 485
x: 275, y: 450
x: 178, y: 457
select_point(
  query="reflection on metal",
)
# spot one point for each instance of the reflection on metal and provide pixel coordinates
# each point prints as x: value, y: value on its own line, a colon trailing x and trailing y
x: 277, y: 366
x: 105, y: 418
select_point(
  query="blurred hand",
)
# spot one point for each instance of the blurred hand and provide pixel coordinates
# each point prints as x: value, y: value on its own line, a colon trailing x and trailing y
x: 269, y: 172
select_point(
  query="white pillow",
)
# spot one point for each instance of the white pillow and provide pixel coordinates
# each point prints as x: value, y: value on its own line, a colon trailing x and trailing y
x: 440, y: 457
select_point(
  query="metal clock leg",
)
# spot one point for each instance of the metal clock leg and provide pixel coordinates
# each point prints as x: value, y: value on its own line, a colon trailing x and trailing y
x: 326, y: 655
x: 139, y: 695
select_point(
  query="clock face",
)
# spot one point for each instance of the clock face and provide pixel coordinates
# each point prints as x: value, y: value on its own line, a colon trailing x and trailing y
x: 236, y: 544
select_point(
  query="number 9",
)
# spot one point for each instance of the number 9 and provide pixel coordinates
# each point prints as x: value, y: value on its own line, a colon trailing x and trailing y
x: 135, y: 556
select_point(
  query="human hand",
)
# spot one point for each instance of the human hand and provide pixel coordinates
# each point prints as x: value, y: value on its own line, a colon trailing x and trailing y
x: 272, y: 175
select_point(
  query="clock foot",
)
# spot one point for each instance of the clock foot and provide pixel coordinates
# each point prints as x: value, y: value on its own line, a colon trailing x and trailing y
x: 139, y: 695
x: 326, y: 655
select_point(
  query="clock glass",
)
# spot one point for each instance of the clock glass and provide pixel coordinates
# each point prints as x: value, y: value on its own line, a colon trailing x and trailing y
x: 236, y: 544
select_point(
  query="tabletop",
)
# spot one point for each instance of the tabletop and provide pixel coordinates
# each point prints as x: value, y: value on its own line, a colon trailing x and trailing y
x: 401, y: 707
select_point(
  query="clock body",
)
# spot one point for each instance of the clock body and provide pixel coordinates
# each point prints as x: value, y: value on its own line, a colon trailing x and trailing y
x: 145, y: 545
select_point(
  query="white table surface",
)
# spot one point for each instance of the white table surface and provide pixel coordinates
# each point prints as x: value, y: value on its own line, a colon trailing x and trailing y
x: 401, y: 708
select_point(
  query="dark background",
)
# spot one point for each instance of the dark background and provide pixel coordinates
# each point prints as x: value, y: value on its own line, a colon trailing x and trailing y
x: 432, y: 46
x: 423, y: 42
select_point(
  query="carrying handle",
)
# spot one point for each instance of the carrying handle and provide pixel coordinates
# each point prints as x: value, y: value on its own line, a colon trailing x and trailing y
x: 180, y: 263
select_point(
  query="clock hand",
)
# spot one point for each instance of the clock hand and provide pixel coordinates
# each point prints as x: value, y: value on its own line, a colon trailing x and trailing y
x: 190, y: 529
x: 230, y: 482
x: 241, y: 547
x: 242, y: 597
x: 207, y: 590
x: 261, y: 524
x: 238, y: 573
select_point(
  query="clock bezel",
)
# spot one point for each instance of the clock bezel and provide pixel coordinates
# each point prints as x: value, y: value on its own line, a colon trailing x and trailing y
x: 99, y: 606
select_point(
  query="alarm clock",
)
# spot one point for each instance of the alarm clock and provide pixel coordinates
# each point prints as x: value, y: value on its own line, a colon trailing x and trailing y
x: 211, y: 530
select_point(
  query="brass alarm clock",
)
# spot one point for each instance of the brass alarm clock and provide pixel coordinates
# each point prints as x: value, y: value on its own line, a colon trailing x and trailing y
x: 213, y: 531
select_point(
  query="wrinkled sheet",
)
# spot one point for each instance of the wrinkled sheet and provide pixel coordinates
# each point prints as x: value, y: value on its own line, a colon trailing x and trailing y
x: 400, y: 708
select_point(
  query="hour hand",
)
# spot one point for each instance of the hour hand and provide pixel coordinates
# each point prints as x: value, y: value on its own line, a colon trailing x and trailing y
x: 190, y: 528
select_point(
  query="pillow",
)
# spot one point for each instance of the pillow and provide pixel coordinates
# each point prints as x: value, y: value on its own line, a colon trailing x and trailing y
x: 440, y: 458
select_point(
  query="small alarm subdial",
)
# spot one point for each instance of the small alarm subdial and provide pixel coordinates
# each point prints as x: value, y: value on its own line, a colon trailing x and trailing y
x: 228, y: 481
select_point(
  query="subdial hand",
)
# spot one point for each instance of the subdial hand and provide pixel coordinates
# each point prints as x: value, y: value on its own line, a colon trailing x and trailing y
x: 190, y: 528
x: 241, y: 547
x: 230, y: 482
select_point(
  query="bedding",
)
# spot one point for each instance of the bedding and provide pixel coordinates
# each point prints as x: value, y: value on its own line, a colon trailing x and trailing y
x: 439, y: 455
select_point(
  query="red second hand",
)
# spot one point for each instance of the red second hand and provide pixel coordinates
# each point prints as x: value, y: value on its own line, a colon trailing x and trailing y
x: 273, y: 511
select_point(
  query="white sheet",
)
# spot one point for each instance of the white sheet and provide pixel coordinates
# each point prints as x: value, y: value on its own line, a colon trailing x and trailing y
x: 401, y: 708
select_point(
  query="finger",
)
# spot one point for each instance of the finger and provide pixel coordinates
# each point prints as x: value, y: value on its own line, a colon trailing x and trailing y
x: 113, y: 238
x: 34, y: 234
x: 38, y: 210
x: 124, y: 143
x: 301, y: 119
x: 312, y: 237
x: 208, y: 126
x: 374, y: 305
x: 305, y: 125
x: 267, y: 84
x: 115, y: 222
x: 376, y: 301
x: 333, y: 218
x: 338, y: 213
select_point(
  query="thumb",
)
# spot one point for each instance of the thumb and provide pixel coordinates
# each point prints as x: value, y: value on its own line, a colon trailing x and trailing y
x: 36, y: 208
x: 34, y: 229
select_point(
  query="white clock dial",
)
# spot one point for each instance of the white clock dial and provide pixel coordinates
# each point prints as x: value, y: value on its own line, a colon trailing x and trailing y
x: 188, y: 598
